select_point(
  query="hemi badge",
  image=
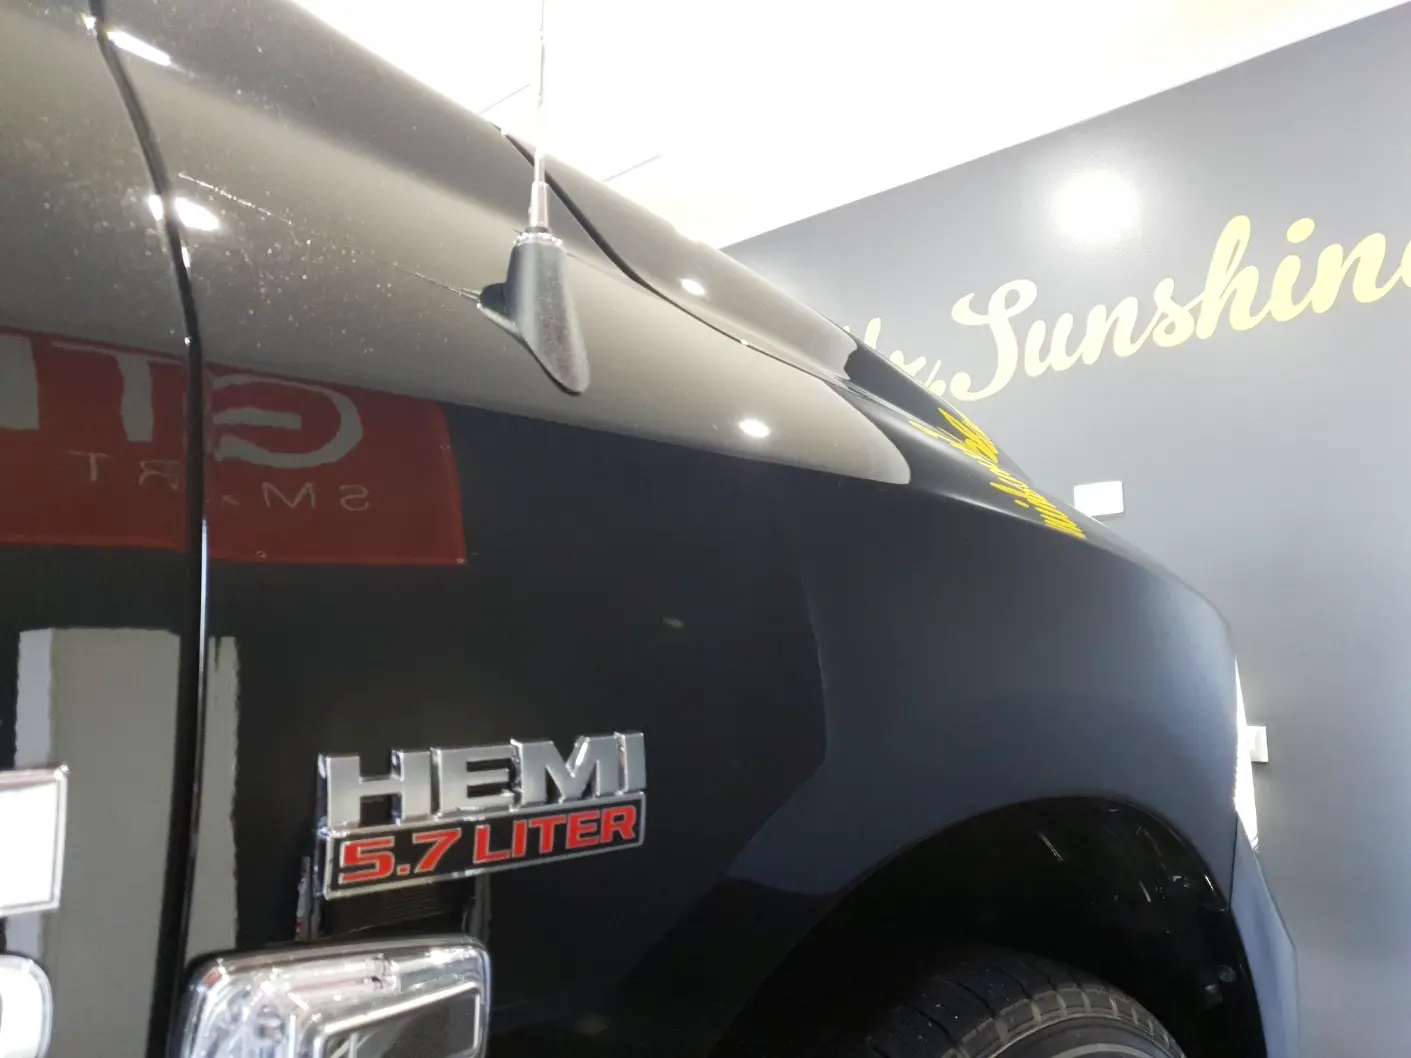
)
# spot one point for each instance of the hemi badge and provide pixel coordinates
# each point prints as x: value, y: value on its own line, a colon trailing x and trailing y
x: 33, y: 815
x: 462, y: 812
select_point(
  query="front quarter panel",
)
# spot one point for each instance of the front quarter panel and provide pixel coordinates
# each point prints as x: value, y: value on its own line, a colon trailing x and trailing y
x: 1273, y: 962
x: 983, y: 645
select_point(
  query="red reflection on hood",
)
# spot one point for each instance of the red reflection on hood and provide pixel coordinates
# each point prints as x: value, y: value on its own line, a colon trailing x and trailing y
x: 92, y: 446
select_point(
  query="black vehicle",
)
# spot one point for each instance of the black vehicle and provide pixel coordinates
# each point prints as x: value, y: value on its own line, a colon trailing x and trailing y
x: 323, y: 603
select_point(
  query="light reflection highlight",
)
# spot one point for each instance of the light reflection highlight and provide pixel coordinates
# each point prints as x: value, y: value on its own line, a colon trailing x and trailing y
x: 754, y: 428
x: 189, y: 214
x: 133, y: 46
x: 1097, y: 206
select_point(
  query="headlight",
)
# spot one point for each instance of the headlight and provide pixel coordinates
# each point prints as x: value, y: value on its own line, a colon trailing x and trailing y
x: 1244, y: 770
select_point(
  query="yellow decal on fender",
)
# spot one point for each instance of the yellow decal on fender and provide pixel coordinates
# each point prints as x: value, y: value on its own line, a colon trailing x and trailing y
x: 1230, y: 291
x: 975, y: 443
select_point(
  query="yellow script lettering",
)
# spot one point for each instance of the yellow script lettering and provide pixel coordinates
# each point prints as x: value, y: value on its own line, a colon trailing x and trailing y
x: 997, y: 318
x: 1226, y: 283
x: 1058, y: 356
x: 1174, y: 322
x: 1367, y: 256
x: 1230, y: 291
x: 976, y: 444
x: 1282, y: 306
x: 1120, y: 322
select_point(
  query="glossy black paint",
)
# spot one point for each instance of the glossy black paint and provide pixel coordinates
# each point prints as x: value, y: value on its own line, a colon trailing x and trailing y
x: 1086, y: 881
x: 1273, y: 961
x: 840, y: 639
x: 97, y: 572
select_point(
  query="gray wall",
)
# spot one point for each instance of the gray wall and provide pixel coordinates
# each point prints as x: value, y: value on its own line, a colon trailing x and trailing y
x: 1267, y: 465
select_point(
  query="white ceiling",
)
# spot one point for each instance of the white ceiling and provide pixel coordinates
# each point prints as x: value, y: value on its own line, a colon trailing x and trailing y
x: 733, y: 117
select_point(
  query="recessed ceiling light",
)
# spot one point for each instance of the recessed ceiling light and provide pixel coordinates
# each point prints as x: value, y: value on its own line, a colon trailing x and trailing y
x: 754, y: 428
x: 1097, y: 206
x: 693, y: 286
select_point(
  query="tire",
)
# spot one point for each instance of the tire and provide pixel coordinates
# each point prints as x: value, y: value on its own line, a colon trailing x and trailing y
x: 999, y: 1003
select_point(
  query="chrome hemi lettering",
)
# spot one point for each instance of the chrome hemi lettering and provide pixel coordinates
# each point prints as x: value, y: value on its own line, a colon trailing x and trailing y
x: 455, y: 779
x: 634, y: 760
x: 463, y: 811
x: 345, y: 789
x: 592, y: 758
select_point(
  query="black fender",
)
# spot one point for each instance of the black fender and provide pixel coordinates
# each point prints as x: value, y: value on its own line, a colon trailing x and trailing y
x: 975, y: 655
x: 975, y: 658
x: 987, y: 642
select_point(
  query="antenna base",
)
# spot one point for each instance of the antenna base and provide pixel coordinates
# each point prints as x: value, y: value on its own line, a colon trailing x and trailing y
x: 535, y: 305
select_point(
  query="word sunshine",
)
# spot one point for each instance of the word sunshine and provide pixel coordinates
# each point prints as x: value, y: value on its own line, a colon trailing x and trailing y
x: 1230, y: 293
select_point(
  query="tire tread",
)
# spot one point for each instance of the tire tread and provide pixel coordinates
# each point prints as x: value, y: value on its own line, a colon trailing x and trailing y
x: 985, y: 998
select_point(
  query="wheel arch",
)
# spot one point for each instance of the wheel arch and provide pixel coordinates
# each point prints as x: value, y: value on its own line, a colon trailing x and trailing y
x: 1103, y: 885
